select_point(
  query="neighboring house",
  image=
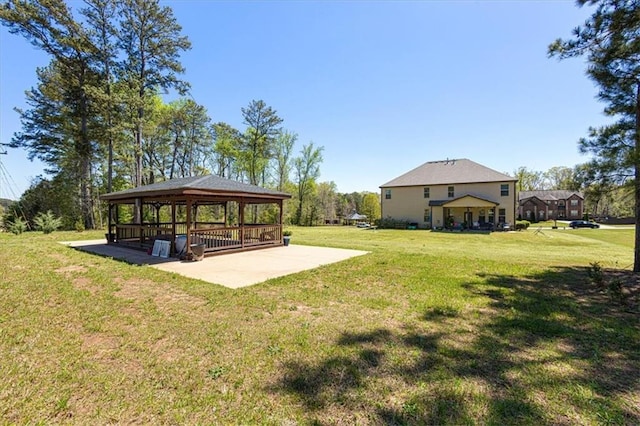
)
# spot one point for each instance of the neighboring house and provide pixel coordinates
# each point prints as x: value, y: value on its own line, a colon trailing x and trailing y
x: 448, y: 193
x: 550, y: 205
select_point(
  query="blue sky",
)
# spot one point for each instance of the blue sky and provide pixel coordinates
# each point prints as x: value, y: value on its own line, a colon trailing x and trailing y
x: 383, y: 86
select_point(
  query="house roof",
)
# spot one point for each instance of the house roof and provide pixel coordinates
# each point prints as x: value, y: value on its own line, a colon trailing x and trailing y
x: 448, y: 172
x: 549, y: 195
x: 197, y: 185
x: 475, y: 200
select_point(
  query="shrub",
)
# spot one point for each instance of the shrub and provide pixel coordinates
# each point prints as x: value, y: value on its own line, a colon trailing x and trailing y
x: 286, y: 233
x: 79, y: 225
x: 614, y: 289
x: 596, y: 274
x: 18, y: 226
x: 522, y: 224
x: 47, y: 222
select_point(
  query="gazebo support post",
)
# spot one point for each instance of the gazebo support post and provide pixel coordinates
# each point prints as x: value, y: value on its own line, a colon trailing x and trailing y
x: 109, y: 238
x: 280, y: 219
x: 173, y: 228
x: 189, y: 206
x: 241, y: 221
x: 139, y: 211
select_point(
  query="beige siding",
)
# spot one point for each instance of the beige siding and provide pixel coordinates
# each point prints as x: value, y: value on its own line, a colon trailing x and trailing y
x: 408, y: 203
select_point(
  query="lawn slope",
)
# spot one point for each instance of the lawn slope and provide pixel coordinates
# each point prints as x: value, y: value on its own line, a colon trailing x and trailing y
x: 429, y: 328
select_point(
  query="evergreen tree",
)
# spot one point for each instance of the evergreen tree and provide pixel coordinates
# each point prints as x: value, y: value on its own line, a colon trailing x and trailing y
x: 151, y: 43
x: 50, y: 26
x: 610, y: 41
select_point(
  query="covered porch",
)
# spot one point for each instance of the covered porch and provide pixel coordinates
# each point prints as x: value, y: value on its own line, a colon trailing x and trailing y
x: 206, y: 214
x: 468, y: 212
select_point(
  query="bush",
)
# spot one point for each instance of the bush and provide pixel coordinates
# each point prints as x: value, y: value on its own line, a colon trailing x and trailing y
x: 522, y: 224
x: 596, y: 274
x: 286, y: 233
x: 47, y: 222
x: 18, y: 226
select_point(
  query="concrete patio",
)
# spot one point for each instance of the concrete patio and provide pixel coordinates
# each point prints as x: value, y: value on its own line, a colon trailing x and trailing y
x: 230, y: 270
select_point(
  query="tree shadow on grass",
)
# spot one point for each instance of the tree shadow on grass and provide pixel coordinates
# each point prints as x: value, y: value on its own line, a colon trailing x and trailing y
x: 545, y: 349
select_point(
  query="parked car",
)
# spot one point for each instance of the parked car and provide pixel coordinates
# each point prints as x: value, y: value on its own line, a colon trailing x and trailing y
x: 583, y: 224
x: 362, y: 224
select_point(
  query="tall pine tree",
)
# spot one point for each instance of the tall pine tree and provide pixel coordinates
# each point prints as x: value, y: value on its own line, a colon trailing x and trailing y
x: 610, y: 40
x: 151, y: 43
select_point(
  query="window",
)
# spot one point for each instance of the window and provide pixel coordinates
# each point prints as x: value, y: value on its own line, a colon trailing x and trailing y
x: 574, y: 213
x: 426, y: 194
x: 491, y: 218
x: 504, y: 190
x: 427, y: 216
x: 550, y: 213
x: 574, y: 203
x: 502, y: 215
x: 387, y: 194
x: 451, y: 192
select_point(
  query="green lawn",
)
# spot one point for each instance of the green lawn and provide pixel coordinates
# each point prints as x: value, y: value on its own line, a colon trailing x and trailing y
x: 430, y: 328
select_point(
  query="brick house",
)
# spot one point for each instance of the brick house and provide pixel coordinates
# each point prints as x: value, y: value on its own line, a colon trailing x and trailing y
x: 550, y: 205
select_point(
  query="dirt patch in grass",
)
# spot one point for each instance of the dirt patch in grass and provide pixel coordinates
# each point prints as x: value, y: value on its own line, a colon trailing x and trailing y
x: 166, y: 297
x: 68, y: 270
x: 100, y: 344
x: 84, y: 283
x: 104, y: 349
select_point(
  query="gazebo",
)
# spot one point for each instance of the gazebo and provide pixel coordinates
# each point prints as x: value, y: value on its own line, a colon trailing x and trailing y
x: 169, y: 211
x: 355, y: 217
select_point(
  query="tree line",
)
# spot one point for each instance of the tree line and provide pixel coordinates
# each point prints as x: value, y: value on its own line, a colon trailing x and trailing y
x: 98, y: 122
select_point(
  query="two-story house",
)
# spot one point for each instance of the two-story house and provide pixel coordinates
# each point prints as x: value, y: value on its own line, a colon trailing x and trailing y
x: 458, y: 193
x: 550, y: 205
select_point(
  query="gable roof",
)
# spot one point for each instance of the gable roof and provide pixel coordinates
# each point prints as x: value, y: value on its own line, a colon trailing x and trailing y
x: 448, y: 172
x: 475, y: 201
x: 209, y: 184
x: 549, y: 195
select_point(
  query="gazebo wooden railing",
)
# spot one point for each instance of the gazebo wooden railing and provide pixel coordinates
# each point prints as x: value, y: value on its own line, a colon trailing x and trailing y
x: 216, y: 239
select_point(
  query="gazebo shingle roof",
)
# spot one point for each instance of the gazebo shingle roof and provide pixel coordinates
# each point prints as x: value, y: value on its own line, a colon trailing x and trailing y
x: 210, y: 184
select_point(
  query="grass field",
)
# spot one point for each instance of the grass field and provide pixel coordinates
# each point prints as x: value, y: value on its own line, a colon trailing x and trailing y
x: 430, y: 328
